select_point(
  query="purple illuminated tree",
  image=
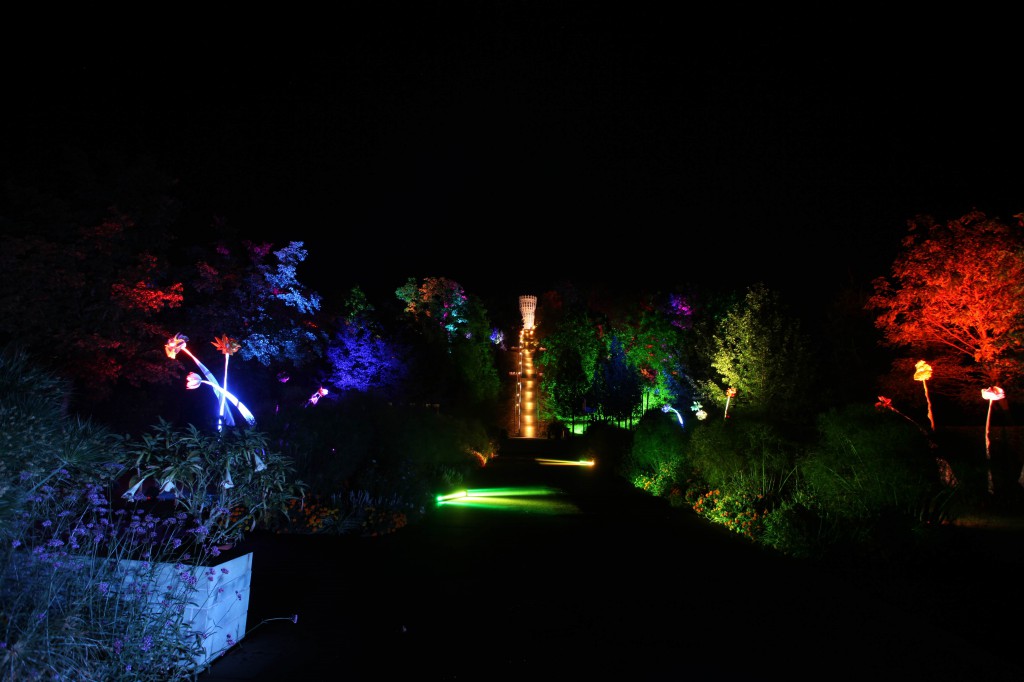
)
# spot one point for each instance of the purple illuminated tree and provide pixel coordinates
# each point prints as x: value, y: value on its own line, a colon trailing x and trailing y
x: 361, y: 359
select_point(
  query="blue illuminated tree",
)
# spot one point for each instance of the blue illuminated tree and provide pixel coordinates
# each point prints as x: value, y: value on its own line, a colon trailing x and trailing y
x: 361, y: 359
x: 616, y: 388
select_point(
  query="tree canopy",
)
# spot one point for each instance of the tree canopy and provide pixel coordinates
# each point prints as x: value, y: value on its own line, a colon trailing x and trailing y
x: 955, y: 297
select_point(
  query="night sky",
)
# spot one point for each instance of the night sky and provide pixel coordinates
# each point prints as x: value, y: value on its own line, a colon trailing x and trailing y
x: 510, y: 147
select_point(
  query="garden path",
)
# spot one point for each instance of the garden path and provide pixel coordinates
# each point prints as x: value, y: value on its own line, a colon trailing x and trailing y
x: 602, y: 579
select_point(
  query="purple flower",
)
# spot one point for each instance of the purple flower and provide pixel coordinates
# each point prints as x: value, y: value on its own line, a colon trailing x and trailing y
x: 15, y: 543
x: 147, y: 643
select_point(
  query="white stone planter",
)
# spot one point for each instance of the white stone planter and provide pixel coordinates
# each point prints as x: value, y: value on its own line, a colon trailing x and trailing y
x: 220, y: 605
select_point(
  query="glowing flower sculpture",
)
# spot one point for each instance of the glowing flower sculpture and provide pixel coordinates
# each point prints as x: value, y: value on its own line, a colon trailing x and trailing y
x: 669, y: 408
x: 193, y: 381
x: 991, y: 394
x: 730, y: 393
x: 228, y: 347
x: 698, y: 409
x: 315, y: 398
x: 922, y: 373
x: 179, y: 344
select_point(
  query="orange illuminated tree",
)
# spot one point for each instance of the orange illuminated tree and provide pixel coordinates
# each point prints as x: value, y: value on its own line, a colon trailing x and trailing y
x: 957, y: 292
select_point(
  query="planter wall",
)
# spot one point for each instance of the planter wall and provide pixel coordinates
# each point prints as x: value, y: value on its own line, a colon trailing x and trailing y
x: 221, y: 603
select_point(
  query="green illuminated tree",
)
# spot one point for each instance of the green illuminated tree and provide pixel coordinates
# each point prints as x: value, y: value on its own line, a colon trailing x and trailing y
x: 568, y: 356
x: 565, y: 386
x: 656, y: 340
x: 762, y: 352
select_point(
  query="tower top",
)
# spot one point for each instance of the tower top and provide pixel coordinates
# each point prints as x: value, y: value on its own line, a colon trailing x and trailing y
x: 527, y: 307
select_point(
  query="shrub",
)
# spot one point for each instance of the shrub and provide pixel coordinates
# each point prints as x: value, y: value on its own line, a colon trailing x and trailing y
x: 657, y: 460
x: 747, y: 458
x: 740, y: 512
x: 868, y: 464
x: 96, y: 579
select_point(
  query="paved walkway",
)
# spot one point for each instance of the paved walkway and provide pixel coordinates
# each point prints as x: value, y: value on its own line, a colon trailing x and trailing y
x: 597, y: 579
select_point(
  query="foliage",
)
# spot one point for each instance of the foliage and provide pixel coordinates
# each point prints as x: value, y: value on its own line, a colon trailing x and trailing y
x: 615, y: 392
x: 231, y: 480
x: 740, y: 512
x: 441, y: 300
x: 393, y: 453
x: 565, y: 384
x: 956, y: 296
x: 452, y: 360
x: 361, y: 359
x: 235, y: 289
x: 746, y: 457
x: 657, y: 342
x: 96, y: 585
x: 37, y: 436
x: 93, y: 589
x: 798, y: 527
x: 762, y: 352
x: 90, y: 300
x: 475, y: 363
x: 607, y: 444
x: 567, y: 359
x: 90, y: 280
x: 658, y: 459
x: 357, y: 513
x: 868, y: 465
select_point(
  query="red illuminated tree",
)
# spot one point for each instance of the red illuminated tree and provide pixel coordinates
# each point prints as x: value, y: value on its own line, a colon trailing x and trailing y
x: 956, y: 293
x: 89, y: 301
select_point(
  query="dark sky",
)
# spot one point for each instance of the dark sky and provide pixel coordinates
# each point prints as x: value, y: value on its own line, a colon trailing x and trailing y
x: 509, y: 148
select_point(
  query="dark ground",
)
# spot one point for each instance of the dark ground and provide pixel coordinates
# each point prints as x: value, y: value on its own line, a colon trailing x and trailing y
x: 619, y: 585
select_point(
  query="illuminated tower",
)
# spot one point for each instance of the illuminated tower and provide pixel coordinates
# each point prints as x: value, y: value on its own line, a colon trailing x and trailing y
x: 527, y: 306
